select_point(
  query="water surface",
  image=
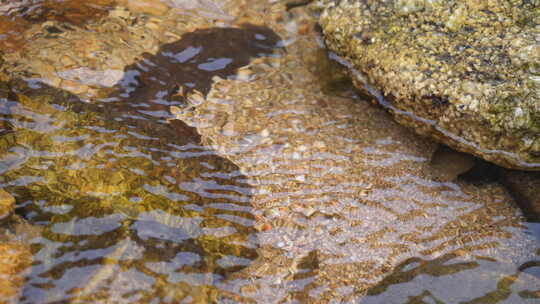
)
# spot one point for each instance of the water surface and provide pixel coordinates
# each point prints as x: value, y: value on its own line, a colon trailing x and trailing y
x: 189, y: 155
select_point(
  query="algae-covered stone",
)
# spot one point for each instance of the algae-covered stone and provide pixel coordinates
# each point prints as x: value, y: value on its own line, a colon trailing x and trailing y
x: 466, y: 73
x: 7, y: 203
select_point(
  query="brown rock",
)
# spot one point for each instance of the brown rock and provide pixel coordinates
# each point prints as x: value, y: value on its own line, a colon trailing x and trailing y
x: 525, y: 186
x: 70, y: 11
x: 7, y: 204
x: 447, y: 164
x: 151, y: 7
x: 14, y: 259
x: 11, y: 28
x: 16, y: 18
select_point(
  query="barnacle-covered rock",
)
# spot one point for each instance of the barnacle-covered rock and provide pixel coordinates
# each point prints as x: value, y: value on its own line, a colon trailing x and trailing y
x: 466, y: 73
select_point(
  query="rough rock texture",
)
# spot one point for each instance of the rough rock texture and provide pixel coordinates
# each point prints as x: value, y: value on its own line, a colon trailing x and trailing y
x: 466, y: 73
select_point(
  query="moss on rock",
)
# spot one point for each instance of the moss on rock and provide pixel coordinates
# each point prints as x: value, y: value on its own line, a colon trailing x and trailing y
x: 466, y: 73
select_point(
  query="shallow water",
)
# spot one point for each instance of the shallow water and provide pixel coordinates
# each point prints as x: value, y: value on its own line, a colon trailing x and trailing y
x: 116, y: 203
x: 201, y: 161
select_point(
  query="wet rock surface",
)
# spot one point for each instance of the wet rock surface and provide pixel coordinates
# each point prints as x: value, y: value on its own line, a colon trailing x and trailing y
x: 465, y: 73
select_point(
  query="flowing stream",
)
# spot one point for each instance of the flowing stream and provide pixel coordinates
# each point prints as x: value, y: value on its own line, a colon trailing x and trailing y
x: 204, y: 151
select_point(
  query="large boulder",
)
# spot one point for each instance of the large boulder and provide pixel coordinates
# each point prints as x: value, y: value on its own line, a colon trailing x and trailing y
x: 464, y: 72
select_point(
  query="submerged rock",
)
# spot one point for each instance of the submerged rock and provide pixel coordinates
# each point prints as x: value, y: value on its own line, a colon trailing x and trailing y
x: 7, y: 203
x: 345, y: 196
x: 116, y: 174
x: 525, y: 186
x: 144, y: 193
x: 466, y: 73
x: 189, y: 64
x: 446, y: 164
x: 14, y: 260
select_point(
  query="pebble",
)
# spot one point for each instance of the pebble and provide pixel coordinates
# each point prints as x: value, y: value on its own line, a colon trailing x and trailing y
x: 272, y: 213
x: 151, y: 7
x: 309, y: 211
x: 265, y: 133
x: 244, y: 75
x: 447, y: 164
x: 302, y: 148
x: 67, y: 61
x: 73, y: 86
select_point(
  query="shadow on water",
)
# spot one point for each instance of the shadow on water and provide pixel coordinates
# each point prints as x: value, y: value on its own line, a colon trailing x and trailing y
x: 150, y: 86
x: 131, y: 205
x: 523, y: 186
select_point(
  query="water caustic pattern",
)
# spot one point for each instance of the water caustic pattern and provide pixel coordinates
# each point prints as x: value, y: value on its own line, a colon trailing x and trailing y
x: 348, y: 202
x: 117, y: 205
x: 20, y: 15
x: 131, y: 206
x: 304, y: 197
x: 181, y: 73
x: 353, y: 208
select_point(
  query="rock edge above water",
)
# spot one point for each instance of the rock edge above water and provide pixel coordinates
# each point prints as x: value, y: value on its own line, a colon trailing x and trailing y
x: 465, y: 73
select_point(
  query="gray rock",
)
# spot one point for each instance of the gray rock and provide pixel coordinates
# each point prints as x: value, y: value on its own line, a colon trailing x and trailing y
x: 465, y: 73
